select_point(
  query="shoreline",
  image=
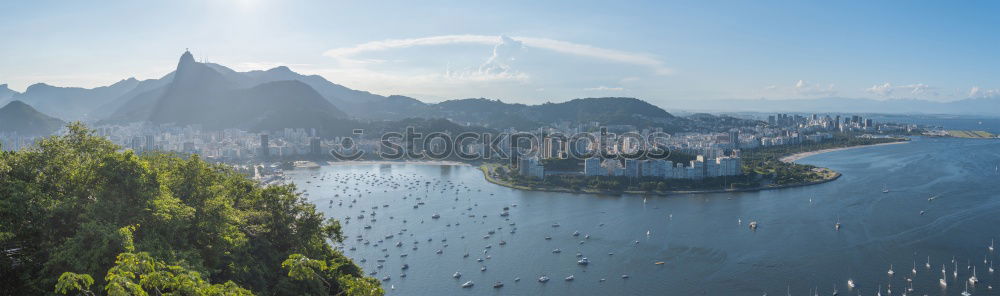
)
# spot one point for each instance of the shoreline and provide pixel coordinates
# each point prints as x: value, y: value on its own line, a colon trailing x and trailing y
x: 798, y: 156
x: 834, y: 176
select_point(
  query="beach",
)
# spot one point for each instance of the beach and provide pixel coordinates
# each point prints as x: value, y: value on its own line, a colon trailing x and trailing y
x: 797, y: 156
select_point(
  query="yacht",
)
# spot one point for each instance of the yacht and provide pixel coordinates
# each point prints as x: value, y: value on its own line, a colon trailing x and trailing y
x: 468, y: 284
x: 890, y: 272
x: 569, y: 278
x: 497, y: 285
x: 943, y: 281
x: 850, y: 283
x: 456, y: 275
x: 583, y: 261
x: 928, y: 264
x: 972, y: 279
x: 543, y: 279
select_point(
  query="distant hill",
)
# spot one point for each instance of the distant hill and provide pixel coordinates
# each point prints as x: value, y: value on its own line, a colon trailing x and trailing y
x: 204, y: 94
x: 5, y: 94
x: 72, y: 103
x: 970, y: 106
x: 606, y: 111
x: 21, y: 118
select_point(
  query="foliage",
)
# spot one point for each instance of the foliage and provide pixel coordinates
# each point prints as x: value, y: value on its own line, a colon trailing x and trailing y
x: 72, y: 206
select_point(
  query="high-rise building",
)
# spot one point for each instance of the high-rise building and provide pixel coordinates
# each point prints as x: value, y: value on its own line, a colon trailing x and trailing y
x: 314, y: 147
x: 150, y: 143
x: 264, y: 146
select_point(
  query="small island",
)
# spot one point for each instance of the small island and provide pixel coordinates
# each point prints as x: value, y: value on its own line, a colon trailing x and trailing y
x: 761, y: 168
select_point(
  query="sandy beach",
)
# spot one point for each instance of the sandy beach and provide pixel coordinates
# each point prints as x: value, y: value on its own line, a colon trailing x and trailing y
x: 797, y: 156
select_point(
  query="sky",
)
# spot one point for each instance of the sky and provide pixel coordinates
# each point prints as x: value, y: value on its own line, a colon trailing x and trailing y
x: 527, y: 51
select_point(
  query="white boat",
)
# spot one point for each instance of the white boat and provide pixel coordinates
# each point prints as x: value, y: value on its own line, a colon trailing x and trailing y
x: 569, y: 278
x: 991, y: 246
x: 972, y: 279
x: 583, y: 261
x: 468, y: 284
x: 943, y: 281
x: 928, y: 264
x: 543, y: 279
x: 890, y: 272
x: 456, y: 275
x: 850, y: 283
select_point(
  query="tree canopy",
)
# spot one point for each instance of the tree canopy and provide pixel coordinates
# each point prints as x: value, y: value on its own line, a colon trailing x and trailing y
x: 79, y: 216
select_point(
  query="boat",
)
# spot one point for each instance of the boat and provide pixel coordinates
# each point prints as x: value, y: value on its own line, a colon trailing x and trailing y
x: 497, y: 285
x: 557, y: 251
x: 576, y: 233
x: 973, y: 279
x: 660, y: 263
x: 569, y: 278
x: 624, y: 276
x: 890, y: 272
x: 753, y: 225
x: 456, y: 275
x: 991, y: 246
x: 468, y: 284
x: 943, y: 281
x: 850, y: 283
x: 885, y: 189
x: 928, y: 264
x: 583, y: 261
x: 543, y: 279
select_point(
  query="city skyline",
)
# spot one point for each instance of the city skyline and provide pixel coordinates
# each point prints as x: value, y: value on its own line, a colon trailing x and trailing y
x: 653, y: 51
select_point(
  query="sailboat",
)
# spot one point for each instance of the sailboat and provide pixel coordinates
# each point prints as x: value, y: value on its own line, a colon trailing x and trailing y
x: 837, y: 226
x: 914, y: 270
x: 885, y: 189
x: 928, y: 264
x: 890, y: 272
x: 966, y: 292
x: 972, y: 279
x: 943, y: 281
x: 991, y: 246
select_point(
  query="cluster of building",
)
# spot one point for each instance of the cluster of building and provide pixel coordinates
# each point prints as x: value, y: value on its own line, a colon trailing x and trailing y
x: 228, y: 145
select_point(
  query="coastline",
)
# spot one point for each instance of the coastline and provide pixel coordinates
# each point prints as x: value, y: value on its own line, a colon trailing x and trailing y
x: 830, y: 175
x: 797, y: 156
x: 486, y: 175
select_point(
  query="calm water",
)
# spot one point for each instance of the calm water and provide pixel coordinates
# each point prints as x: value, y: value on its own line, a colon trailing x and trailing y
x: 705, y: 250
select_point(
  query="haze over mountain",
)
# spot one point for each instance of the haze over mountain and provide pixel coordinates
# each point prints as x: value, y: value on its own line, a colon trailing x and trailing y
x: 199, y: 93
x: 216, y: 96
x: 21, y: 118
x: 970, y: 106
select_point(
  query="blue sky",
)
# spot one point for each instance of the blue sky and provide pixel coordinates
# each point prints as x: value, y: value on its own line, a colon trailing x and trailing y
x: 527, y: 51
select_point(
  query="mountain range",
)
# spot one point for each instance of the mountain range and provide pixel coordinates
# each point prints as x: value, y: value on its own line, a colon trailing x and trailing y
x: 216, y: 97
x: 20, y: 118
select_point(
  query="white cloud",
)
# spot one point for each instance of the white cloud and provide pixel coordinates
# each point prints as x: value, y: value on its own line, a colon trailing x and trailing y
x: 977, y: 92
x: 804, y: 88
x: 888, y: 90
x: 348, y: 54
x: 604, y: 88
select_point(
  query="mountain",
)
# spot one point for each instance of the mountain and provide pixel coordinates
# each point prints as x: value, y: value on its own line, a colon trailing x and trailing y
x: 971, y: 106
x: 72, y: 103
x: 21, y: 118
x: 199, y: 93
x: 607, y: 111
x: 5, y: 94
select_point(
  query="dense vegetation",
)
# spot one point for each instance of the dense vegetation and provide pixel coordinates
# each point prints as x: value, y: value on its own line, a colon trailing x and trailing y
x: 77, y: 216
x: 20, y: 118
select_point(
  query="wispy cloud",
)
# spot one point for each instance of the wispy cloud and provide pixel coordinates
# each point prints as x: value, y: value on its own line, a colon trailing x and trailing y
x: 349, y: 54
x: 977, y: 92
x: 888, y: 90
x: 805, y: 88
x: 604, y: 88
